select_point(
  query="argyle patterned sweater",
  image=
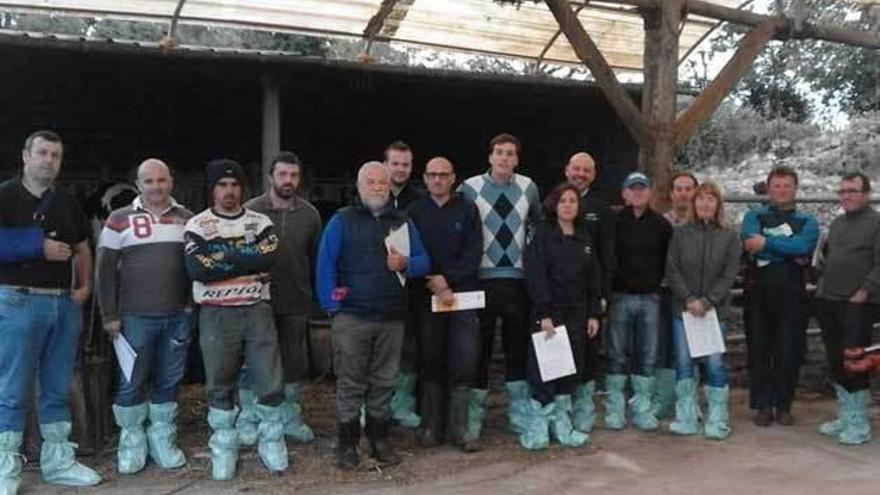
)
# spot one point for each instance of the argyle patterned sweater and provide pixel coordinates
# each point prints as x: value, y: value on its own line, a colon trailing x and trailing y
x: 507, y: 212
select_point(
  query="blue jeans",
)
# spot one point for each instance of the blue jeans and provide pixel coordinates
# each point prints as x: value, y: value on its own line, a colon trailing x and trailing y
x: 633, y: 327
x: 450, y: 348
x: 716, y: 371
x: 161, y: 343
x: 39, y: 334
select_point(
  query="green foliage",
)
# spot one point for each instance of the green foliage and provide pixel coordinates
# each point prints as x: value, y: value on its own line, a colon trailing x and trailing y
x: 734, y: 133
x: 147, y: 31
x: 840, y: 74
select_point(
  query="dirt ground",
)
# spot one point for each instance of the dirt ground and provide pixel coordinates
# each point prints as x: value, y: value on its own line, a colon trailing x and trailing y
x: 775, y: 460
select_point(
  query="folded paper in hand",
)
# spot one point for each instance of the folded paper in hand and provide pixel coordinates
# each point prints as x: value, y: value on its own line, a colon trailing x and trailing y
x: 125, y: 354
x: 703, y: 334
x: 399, y: 240
x: 463, y: 300
x: 555, y: 359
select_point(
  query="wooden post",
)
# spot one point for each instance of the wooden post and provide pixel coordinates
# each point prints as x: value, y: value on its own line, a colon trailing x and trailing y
x: 659, y: 95
x: 271, y: 123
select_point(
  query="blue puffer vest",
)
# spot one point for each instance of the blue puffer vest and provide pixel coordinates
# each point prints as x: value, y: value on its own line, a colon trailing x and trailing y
x: 373, y: 290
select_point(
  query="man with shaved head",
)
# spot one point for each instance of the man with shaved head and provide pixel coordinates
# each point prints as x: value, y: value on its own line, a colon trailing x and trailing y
x: 598, y: 221
x: 450, y: 342
x: 359, y: 283
x: 142, y: 288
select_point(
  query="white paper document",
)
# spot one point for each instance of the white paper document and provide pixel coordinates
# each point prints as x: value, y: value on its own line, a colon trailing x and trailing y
x: 399, y: 240
x: 125, y: 354
x: 555, y: 359
x: 873, y: 348
x: 703, y: 334
x: 463, y: 300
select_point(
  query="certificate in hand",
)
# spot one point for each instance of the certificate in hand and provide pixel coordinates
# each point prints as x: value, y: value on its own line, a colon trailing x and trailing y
x: 555, y: 359
x: 125, y: 354
x: 463, y: 300
x: 703, y: 334
x: 399, y: 240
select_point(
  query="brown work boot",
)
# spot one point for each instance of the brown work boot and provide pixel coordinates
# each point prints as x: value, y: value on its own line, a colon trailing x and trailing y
x: 763, y: 418
x: 784, y: 417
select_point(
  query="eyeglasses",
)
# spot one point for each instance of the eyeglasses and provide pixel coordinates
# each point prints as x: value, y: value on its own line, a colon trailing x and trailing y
x: 438, y: 175
x: 842, y: 192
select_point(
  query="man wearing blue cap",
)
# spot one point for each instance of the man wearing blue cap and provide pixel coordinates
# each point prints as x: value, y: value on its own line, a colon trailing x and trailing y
x: 642, y: 236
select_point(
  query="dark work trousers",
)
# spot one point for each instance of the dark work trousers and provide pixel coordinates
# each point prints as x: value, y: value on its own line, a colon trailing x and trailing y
x: 506, y: 298
x: 409, y: 353
x: 665, y: 346
x: 236, y: 335
x: 575, y: 321
x: 844, y: 325
x: 293, y: 340
x: 366, y: 358
x: 450, y: 348
x: 592, y: 359
x: 293, y: 346
x: 776, y: 335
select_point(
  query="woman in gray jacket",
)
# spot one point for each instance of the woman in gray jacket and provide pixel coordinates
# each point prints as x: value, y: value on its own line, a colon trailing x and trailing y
x: 701, y: 266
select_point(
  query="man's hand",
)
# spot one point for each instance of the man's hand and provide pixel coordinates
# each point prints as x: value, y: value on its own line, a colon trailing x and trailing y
x: 396, y: 262
x: 859, y: 296
x: 592, y: 327
x: 755, y: 244
x: 81, y: 294
x: 113, y: 327
x: 56, y: 251
x: 548, y: 328
x: 447, y: 298
x: 436, y: 284
x: 696, y: 308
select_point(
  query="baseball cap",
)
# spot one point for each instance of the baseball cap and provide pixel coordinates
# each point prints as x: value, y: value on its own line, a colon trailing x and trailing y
x: 636, y: 178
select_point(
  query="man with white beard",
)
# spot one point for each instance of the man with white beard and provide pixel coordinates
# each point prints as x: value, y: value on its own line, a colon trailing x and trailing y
x: 359, y: 284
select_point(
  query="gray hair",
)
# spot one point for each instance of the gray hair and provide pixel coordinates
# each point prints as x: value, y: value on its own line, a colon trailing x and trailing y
x: 362, y: 172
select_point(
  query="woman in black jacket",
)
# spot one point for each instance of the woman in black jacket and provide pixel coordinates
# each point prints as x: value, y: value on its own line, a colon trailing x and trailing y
x: 564, y: 283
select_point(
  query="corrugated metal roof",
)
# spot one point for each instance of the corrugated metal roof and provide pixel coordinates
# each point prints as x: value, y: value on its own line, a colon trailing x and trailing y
x: 468, y: 25
x: 111, y: 45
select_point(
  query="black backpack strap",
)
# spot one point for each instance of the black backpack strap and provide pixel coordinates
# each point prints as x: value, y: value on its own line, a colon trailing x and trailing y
x: 43, y: 206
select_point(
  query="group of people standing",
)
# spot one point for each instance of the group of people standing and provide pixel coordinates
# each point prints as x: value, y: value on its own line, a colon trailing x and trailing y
x: 619, y: 282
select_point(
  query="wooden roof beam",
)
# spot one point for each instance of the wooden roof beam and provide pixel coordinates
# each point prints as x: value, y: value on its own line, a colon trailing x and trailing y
x: 785, y: 27
x: 587, y: 51
x: 704, y: 105
x: 170, y: 42
x: 378, y: 25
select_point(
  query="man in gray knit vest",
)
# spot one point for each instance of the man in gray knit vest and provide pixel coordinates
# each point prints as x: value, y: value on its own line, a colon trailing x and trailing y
x: 849, y: 293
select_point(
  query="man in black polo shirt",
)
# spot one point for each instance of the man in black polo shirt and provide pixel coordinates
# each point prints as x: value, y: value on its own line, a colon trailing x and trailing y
x: 451, y: 230
x: 598, y: 219
x: 43, y: 237
x: 641, y: 243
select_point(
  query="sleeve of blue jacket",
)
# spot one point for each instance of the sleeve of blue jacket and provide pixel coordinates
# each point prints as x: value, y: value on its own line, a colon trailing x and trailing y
x: 419, y: 263
x: 750, y: 225
x: 325, y: 268
x: 799, y: 244
x: 20, y: 244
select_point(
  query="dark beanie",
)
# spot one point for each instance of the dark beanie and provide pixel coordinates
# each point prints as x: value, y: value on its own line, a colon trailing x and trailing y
x: 221, y: 169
